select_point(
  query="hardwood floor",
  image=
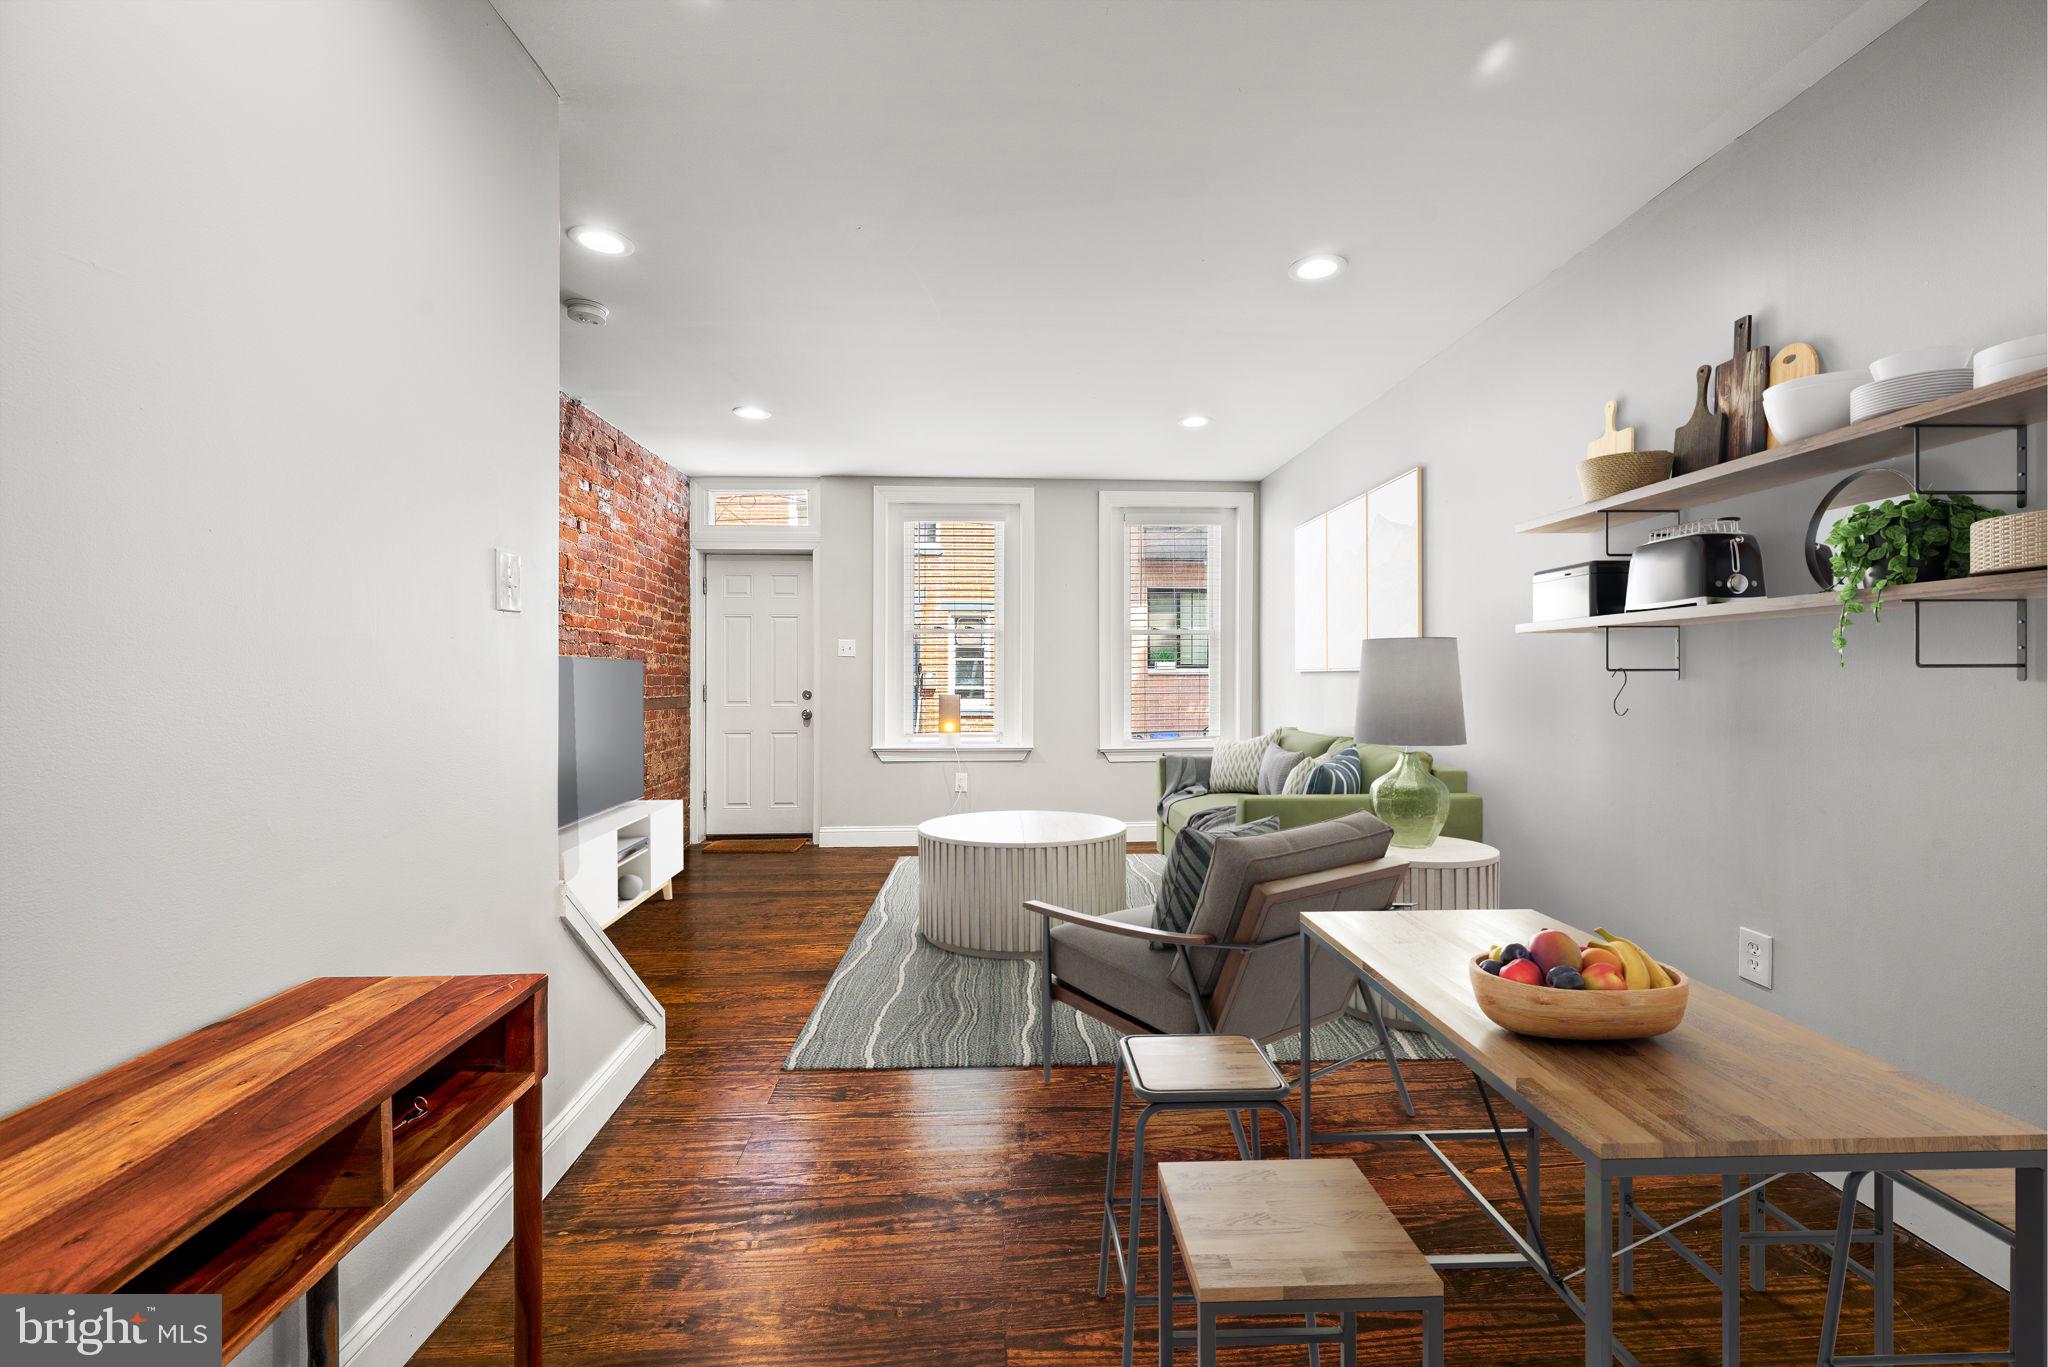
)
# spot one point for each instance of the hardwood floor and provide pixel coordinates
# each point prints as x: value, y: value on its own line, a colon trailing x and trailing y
x: 732, y: 1213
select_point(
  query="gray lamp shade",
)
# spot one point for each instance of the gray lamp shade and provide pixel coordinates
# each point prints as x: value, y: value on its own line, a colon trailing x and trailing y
x: 1409, y: 692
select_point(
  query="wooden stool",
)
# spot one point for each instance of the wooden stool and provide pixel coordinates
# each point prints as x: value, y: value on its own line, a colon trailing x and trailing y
x: 1299, y: 1238
x: 1227, y: 1073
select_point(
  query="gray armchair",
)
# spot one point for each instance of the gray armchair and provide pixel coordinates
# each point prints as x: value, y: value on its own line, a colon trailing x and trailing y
x: 1237, y: 968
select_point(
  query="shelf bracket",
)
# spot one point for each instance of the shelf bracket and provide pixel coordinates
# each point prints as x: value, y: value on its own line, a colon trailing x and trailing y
x: 2019, y: 438
x: 1607, y: 523
x: 2018, y: 664
x: 1676, y: 667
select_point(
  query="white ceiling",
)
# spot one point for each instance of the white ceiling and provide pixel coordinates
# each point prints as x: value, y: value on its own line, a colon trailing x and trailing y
x: 1025, y: 237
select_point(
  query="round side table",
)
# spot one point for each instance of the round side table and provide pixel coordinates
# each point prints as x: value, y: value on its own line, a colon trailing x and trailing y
x: 1450, y: 874
x: 975, y: 871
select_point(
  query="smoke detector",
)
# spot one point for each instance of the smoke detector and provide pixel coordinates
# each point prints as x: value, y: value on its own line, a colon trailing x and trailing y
x: 586, y: 311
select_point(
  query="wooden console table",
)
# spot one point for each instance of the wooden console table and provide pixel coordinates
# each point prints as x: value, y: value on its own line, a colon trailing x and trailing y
x: 246, y: 1158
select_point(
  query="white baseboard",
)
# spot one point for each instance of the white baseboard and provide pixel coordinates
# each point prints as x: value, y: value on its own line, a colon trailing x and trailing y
x: 392, y: 1328
x: 1946, y: 1230
x: 855, y: 837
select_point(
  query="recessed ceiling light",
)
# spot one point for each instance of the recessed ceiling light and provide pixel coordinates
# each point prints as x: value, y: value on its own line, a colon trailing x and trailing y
x: 751, y: 413
x: 1495, y: 61
x: 1194, y: 420
x: 1317, y: 267
x: 603, y: 241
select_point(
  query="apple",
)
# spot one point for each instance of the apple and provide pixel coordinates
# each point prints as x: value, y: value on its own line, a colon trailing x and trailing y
x: 1598, y: 954
x: 1553, y: 949
x: 1522, y: 971
x: 1604, y: 978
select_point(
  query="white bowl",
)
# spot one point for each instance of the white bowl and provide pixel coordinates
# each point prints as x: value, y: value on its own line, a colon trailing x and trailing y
x: 2012, y: 368
x: 1919, y: 359
x: 1811, y: 404
x: 2034, y: 346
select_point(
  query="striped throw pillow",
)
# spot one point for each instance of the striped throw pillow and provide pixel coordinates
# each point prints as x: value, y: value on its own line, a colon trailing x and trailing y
x: 1187, y: 866
x: 1341, y: 771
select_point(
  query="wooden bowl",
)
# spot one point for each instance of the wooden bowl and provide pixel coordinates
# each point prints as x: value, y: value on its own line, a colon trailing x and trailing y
x: 1555, y: 1013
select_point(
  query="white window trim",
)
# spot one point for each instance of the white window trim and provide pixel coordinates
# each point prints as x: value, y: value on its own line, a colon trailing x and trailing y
x: 754, y: 538
x: 1232, y: 648
x: 1014, y: 665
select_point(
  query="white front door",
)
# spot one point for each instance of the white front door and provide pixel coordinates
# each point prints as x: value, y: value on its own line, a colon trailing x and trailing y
x: 759, y: 707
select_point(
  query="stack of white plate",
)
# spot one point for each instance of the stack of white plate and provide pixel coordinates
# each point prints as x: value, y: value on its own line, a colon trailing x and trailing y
x: 1911, y: 377
x: 2008, y: 360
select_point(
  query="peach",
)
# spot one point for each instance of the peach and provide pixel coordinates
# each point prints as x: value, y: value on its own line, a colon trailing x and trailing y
x: 1605, y: 978
x: 1522, y: 971
x: 1553, y: 949
x: 1598, y: 954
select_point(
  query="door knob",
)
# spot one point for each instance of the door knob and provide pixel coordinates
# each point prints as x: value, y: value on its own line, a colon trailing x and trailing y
x: 807, y: 716
x: 807, y: 695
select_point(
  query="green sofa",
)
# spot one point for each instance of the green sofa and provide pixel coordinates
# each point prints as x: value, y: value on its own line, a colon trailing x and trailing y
x: 1467, y: 809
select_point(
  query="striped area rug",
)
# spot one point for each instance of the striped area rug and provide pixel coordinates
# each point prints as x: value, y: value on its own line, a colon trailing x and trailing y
x: 896, y: 1002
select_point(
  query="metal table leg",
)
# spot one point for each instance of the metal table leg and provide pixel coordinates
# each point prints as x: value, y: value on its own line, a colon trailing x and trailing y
x: 1599, y: 1269
x: 1838, y: 1269
x: 1116, y: 1135
x: 1165, y: 1289
x: 1306, y: 1064
x: 2030, y: 1266
x: 1627, y: 1208
x: 1731, y: 1270
x: 1881, y: 1270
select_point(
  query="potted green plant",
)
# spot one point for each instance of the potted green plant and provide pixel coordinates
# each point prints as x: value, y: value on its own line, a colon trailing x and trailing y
x: 1898, y: 541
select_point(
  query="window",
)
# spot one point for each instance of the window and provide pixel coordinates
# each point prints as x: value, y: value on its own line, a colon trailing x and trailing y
x: 1174, y: 611
x: 728, y: 513
x: 952, y: 615
x: 760, y: 508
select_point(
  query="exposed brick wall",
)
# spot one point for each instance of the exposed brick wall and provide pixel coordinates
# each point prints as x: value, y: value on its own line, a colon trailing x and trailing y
x: 626, y: 576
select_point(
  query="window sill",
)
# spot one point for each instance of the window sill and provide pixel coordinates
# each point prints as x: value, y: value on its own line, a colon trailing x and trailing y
x: 968, y: 752
x: 1146, y: 752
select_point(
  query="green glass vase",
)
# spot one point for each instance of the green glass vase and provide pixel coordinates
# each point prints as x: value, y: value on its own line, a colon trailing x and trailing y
x: 1413, y: 801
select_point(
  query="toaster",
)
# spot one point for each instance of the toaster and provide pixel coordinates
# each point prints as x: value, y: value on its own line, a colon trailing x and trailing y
x: 1695, y: 562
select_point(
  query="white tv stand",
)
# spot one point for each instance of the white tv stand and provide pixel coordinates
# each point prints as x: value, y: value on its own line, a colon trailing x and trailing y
x: 591, y: 864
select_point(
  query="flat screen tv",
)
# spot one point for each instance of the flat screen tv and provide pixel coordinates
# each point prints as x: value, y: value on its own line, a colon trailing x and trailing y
x: 603, y: 736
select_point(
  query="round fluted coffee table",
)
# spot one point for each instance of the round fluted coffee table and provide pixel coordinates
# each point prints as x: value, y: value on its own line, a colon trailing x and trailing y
x: 975, y: 871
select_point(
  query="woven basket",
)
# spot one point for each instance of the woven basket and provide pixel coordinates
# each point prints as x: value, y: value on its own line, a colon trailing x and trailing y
x: 1617, y: 472
x: 2015, y: 541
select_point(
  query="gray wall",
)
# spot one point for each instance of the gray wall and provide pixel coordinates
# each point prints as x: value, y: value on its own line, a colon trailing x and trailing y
x: 1065, y: 771
x: 1884, y: 823
x: 279, y: 362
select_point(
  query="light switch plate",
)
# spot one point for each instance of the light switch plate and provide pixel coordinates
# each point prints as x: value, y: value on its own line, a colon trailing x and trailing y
x: 846, y: 649
x: 1754, y: 956
x: 505, y: 579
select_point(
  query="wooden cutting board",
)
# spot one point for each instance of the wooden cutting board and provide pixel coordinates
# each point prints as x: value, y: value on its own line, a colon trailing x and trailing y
x: 1697, y: 445
x: 1793, y: 362
x: 1739, y: 394
x: 1611, y: 441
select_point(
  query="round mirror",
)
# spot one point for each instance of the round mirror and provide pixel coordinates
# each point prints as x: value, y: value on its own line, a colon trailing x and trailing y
x: 1874, y: 485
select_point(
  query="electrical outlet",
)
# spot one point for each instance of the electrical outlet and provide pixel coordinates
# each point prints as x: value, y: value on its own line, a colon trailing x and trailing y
x: 960, y: 782
x: 1754, y: 956
x: 846, y: 649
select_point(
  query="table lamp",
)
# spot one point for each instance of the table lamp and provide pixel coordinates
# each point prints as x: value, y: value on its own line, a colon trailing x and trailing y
x: 949, y: 714
x: 1409, y: 695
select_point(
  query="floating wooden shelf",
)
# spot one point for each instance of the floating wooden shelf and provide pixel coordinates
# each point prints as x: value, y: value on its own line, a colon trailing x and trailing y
x: 2020, y: 400
x: 1981, y: 587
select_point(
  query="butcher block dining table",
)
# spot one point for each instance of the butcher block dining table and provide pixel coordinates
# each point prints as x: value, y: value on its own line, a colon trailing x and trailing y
x: 1736, y: 1091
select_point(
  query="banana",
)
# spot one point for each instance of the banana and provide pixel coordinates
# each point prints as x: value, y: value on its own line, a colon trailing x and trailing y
x: 1635, y: 963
